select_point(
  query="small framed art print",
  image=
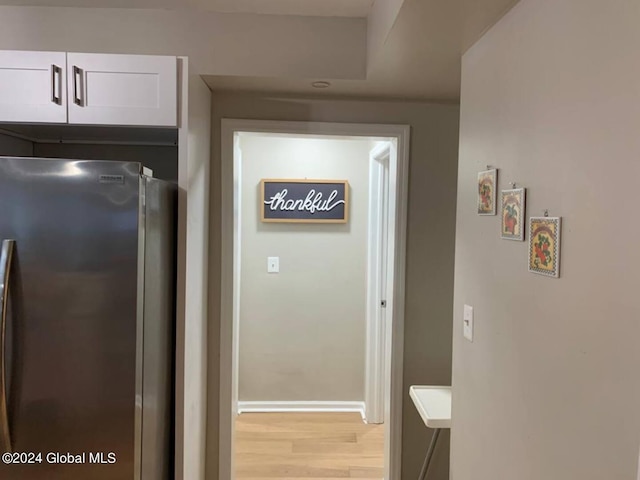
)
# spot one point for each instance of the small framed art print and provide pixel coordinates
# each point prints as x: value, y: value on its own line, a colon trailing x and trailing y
x: 487, y: 184
x: 512, y: 210
x: 544, y: 245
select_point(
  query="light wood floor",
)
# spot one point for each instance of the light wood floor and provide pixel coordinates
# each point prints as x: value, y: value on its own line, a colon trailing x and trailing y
x: 322, y: 446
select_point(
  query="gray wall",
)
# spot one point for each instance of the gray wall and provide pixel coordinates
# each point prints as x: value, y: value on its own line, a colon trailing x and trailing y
x: 217, y: 43
x: 430, y: 254
x: 550, y: 388
x: 163, y: 160
x: 14, y: 147
x: 302, y: 331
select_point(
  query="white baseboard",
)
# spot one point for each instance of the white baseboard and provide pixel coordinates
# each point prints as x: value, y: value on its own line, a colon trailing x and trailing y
x: 328, y: 406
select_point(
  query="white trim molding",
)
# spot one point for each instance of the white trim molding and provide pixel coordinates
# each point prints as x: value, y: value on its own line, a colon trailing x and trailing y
x: 300, y: 406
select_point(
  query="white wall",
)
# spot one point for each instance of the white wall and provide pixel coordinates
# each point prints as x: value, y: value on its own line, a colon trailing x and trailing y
x: 217, y: 43
x: 550, y: 389
x: 302, y: 331
x: 192, y: 329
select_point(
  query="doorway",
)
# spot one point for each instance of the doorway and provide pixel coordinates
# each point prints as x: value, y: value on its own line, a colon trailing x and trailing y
x: 383, y: 295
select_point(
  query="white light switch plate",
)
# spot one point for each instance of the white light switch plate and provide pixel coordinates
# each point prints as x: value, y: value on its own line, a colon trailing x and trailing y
x: 467, y: 326
x: 273, y: 264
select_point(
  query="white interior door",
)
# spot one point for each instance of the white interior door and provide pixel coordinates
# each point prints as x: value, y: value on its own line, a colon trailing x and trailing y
x: 377, y: 282
x: 122, y: 89
x: 32, y: 87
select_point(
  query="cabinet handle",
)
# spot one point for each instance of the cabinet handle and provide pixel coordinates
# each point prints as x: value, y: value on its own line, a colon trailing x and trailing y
x: 77, y: 85
x: 56, y: 85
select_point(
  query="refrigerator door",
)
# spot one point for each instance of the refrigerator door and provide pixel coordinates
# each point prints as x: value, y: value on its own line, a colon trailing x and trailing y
x: 70, y: 349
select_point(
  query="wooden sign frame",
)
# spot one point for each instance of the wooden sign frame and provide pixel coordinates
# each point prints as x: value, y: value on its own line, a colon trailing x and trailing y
x: 262, y: 206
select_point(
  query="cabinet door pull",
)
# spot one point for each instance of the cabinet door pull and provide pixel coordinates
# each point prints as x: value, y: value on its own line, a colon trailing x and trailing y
x: 56, y: 84
x: 77, y: 85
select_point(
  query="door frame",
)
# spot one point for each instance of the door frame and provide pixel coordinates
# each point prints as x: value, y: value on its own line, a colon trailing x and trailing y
x: 394, y: 339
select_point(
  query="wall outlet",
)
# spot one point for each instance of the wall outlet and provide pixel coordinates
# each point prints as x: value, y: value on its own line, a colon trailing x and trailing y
x: 273, y: 264
x: 467, y: 326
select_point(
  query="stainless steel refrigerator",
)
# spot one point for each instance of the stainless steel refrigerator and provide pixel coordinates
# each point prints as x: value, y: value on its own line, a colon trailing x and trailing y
x: 87, y: 276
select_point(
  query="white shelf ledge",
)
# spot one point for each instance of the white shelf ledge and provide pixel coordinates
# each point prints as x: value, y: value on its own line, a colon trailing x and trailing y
x: 433, y: 404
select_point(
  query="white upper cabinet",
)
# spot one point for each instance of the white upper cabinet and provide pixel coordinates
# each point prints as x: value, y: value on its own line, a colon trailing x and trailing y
x: 106, y: 89
x: 88, y: 88
x: 33, y: 87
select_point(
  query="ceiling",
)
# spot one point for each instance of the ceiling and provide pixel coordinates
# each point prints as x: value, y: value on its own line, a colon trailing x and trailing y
x: 420, y: 59
x: 323, y: 8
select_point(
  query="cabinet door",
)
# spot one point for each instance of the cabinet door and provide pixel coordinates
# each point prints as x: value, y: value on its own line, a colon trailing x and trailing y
x: 32, y: 87
x: 122, y: 89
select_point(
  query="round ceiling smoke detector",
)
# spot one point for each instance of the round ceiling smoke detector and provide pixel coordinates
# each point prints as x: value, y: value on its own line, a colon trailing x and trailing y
x: 321, y: 84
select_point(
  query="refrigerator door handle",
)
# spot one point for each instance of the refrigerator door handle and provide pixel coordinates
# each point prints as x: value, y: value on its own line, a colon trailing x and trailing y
x: 5, y: 274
